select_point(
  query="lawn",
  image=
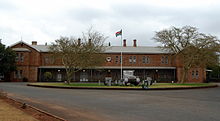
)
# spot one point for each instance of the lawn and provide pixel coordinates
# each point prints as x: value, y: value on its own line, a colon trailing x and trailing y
x: 157, y: 85
x: 82, y: 85
x: 173, y: 85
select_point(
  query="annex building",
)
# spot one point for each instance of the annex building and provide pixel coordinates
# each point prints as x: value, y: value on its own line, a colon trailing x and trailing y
x: 34, y: 60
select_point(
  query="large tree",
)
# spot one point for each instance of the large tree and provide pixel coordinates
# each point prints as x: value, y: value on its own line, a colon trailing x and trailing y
x: 7, y: 60
x: 194, y: 49
x: 78, y: 54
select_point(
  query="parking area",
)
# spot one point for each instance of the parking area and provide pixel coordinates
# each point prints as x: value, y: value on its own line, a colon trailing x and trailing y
x: 121, y: 105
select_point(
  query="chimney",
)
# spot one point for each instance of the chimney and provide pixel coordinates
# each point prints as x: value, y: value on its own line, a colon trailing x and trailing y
x: 79, y: 41
x: 124, y: 43
x: 34, y: 42
x: 135, y: 43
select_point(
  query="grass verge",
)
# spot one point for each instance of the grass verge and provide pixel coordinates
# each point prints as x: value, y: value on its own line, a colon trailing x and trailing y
x: 97, y: 85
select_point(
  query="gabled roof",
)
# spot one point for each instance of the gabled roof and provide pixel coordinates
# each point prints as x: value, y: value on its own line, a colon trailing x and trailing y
x: 41, y: 48
x: 135, y: 50
x: 25, y: 44
x: 111, y: 49
x: 18, y: 43
x: 116, y: 49
x: 21, y: 49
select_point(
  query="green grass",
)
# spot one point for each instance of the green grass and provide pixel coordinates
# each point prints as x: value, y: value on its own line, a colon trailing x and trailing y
x: 72, y: 84
x: 82, y: 85
x: 157, y: 85
x: 173, y: 85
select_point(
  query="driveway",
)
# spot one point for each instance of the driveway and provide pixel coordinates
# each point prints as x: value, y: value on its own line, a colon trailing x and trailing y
x: 121, y: 105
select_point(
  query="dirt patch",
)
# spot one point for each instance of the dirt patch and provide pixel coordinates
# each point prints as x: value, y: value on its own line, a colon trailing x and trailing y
x: 73, y: 114
x: 6, y: 111
x: 30, y: 110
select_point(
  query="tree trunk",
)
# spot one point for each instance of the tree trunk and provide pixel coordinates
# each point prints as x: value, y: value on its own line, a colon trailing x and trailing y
x: 68, y: 72
x: 185, y: 75
x: 68, y: 80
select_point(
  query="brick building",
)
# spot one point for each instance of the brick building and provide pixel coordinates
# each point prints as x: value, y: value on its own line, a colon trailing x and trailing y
x: 143, y: 61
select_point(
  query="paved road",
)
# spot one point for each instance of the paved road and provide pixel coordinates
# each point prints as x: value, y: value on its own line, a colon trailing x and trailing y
x: 109, y: 105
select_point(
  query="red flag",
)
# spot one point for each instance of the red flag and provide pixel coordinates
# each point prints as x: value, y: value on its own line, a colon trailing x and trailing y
x: 119, y: 33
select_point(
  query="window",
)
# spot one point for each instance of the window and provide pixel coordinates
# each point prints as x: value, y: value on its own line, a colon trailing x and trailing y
x: 46, y: 60
x: 19, y: 57
x: 164, y: 59
x: 116, y: 59
x: 18, y: 74
x: 49, y: 60
x: 52, y: 60
x: 148, y: 60
x: 195, y: 74
x: 132, y: 59
x: 145, y: 59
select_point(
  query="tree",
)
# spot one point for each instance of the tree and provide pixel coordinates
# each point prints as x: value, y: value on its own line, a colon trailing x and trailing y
x: 194, y: 49
x: 78, y: 54
x: 7, y: 60
x: 48, y: 76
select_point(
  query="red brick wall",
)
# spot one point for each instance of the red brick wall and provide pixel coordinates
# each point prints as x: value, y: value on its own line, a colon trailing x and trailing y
x: 29, y: 65
x: 190, y: 78
x: 48, y: 60
x: 34, y: 59
x: 201, y: 75
x: 154, y: 60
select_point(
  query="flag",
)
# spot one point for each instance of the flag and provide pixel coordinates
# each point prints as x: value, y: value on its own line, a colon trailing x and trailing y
x: 119, y: 33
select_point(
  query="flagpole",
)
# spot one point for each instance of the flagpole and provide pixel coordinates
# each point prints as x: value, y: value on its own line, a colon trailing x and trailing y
x: 121, y: 58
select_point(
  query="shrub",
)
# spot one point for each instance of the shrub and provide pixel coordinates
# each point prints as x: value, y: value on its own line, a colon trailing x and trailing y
x: 48, y: 76
x: 134, y: 82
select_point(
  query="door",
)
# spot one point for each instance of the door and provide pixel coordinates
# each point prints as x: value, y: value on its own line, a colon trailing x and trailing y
x: 59, y: 77
x: 83, y: 76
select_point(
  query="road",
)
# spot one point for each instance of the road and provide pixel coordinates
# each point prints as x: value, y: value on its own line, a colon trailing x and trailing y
x: 121, y: 105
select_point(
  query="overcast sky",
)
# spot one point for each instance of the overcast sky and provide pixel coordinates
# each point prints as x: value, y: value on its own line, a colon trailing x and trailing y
x: 47, y: 20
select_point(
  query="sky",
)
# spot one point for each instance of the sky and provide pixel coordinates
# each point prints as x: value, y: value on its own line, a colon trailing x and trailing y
x: 46, y: 20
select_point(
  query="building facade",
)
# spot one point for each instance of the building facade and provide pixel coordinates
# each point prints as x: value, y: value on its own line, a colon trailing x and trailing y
x: 33, y: 61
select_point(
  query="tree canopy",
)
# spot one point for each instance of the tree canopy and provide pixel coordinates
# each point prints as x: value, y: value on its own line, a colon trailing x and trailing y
x: 77, y: 54
x: 7, y: 60
x: 193, y: 48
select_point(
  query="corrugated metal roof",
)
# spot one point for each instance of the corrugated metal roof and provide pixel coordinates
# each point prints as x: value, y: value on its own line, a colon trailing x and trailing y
x: 138, y: 49
x: 41, y: 48
x: 117, y: 49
